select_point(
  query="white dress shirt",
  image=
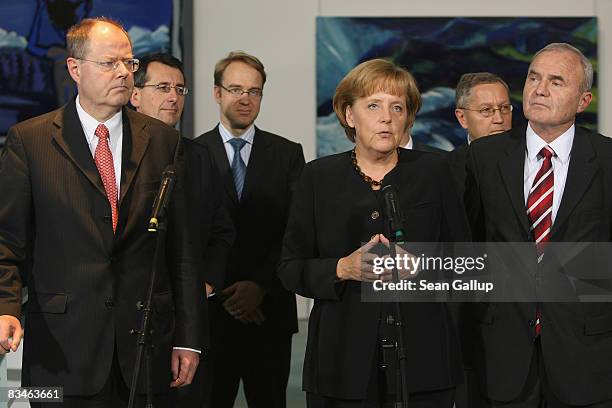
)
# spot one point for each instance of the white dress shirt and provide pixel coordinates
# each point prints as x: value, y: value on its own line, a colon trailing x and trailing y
x: 247, y: 136
x: 562, y: 146
x: 115, y: 129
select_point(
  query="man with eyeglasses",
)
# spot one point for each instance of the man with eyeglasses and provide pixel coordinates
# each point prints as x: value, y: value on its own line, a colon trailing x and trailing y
x: 159, y: 88
x: 78, y: 186
x: 253, y: 316
x: 483, y: 104
x: 483, y: 108
x: 159, y: 91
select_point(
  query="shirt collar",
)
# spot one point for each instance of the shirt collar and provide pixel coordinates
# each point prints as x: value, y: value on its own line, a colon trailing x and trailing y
x: 247, y: 136
x: 562, y: 145
x: 410, y: 144
x: 90, y: 123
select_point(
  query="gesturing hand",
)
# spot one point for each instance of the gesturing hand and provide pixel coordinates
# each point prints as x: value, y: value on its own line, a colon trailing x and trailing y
x: 358, y: 266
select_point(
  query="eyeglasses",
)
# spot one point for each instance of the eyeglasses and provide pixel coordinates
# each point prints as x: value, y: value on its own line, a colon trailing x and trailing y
x: 238, y: 92
x: 489, y: 111
x: 166, y: 88
x: 130, y: 63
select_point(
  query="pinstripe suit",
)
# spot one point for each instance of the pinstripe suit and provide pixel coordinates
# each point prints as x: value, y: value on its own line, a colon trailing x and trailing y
x: 84, y: 281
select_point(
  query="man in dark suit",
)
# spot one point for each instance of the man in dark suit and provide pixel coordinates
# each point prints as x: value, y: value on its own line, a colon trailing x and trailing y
x: 483, y: 108
x: 254, y: 317
x: 547, y: 183
x: 83, y: 179
x: 159, y: 91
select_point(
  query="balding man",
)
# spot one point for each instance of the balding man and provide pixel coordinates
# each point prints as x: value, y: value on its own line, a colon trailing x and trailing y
x: 545, y: 183
x: 83, y: 178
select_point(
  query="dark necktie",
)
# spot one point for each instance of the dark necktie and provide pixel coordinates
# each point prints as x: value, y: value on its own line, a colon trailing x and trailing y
x: 104, y: 163
x: 539, y: 210
x: 238, y: 166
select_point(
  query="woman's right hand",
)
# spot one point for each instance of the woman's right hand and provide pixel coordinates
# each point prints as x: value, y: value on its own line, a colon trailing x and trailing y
x: 358, y: 266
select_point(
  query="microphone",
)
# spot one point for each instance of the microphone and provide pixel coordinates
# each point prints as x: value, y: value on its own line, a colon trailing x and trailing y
x: 163, y: 197
x: 394, y: 213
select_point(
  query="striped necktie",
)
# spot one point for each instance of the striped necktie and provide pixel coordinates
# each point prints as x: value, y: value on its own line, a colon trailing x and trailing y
x: 238, y: 166
x: 539, y: 210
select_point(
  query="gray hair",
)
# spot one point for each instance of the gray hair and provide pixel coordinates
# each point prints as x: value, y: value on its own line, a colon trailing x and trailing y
x: 587, y: 67
x: 468, y: 81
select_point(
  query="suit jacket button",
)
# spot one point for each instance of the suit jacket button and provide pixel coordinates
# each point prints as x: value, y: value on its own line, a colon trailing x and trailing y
x: 109, y: 303
x: 375, y: 215
x: 107, y: 219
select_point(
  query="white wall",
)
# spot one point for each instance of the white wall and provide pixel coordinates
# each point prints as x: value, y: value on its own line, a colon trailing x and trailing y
x: 282, y: 34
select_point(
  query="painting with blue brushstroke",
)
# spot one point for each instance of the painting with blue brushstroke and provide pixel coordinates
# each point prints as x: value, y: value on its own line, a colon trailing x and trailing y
x: 33, y: 76
x: 437, y: 51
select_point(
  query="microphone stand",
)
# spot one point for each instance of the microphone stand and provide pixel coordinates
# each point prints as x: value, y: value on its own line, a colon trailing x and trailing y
x: 145, y: 338
x: 401, y: 384
x: 395, y: 222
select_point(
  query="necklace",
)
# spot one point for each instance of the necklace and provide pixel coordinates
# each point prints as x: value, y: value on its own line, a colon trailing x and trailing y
x: 364, y: 176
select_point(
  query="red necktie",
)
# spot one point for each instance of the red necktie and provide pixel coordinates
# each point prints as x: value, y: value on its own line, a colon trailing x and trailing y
x: 104, y: 163
x: 539, y: 210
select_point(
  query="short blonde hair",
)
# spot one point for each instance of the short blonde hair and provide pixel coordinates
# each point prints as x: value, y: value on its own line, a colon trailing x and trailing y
x: 374, y: 76
x: 238, y: 56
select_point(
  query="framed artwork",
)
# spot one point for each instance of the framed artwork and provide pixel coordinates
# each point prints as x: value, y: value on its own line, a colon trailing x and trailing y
x: 33, y: 75
x: 437, y: 51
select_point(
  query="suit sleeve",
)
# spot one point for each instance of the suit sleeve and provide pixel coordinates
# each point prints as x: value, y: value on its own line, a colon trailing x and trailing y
x: 191, y: 329
x: 269, y: 280
x: 15, y: 210
x: 472, y: 199
x: 301, y: 270
x: 454, y: 225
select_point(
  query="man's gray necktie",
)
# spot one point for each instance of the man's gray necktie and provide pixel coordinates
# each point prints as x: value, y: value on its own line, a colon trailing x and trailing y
x: 238, y: 166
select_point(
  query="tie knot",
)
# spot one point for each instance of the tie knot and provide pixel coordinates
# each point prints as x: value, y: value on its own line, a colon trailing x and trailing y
x: 102, y: 131
x: 237, y: 143
x: 547, y: 152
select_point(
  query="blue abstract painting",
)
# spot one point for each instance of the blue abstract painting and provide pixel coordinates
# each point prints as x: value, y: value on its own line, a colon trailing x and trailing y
x: 33, y: 75
x: 437, y: 51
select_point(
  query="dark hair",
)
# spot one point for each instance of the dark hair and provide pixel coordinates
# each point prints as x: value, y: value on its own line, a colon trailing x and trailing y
x: 140, y: 76
x: 238, y: 56
x: 77, y: 39
x: 468, y: 81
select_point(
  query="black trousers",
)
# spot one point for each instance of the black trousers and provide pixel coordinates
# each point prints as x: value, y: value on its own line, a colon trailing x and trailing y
x: 260, y: 360
x: 469, y: 394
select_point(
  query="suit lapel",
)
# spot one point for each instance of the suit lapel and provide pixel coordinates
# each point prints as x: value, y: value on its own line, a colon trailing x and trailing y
x: 512, y: 169
x: 71, y: 139
x: 582, y: 169
x: 220, y: 156
x: 135, y: 142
